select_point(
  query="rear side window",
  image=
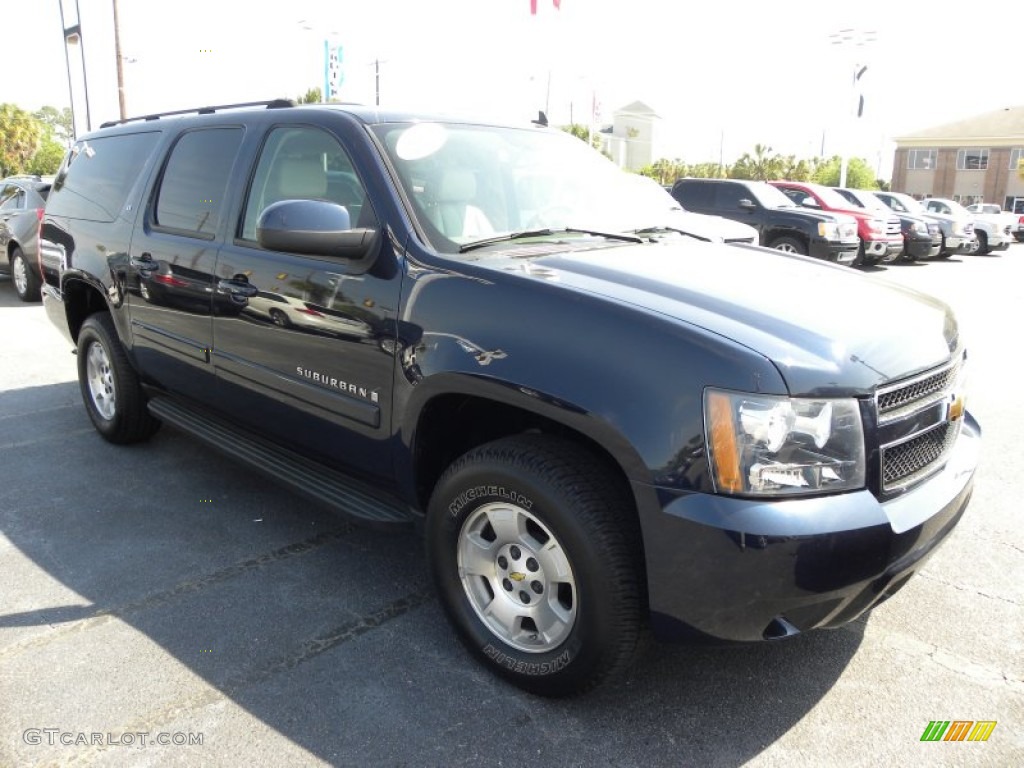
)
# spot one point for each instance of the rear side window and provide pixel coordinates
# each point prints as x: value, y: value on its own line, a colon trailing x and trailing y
x: 11, y: 198
x: 97, y: 175
x: 190, y: 198
x: 694, y: 194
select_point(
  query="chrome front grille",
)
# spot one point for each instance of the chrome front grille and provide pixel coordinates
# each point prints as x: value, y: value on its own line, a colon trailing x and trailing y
x: 930, y: 387
x: 921, y: 418
x: 892, y: 227
x: 906, y: 462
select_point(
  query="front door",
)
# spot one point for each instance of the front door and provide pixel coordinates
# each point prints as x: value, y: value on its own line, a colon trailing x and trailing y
x: 309, y: 358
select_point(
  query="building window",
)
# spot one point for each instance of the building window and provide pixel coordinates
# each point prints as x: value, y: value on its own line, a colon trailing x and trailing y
x: 972, y: 160
x: 1016, y: 155
x: 921, y: 160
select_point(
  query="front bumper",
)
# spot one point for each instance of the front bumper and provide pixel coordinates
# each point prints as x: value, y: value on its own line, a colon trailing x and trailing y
x: 743, y: 570
x: 922, y: 247
x: 882, y: 251
x: 839, y: 252
x: 960, y: 243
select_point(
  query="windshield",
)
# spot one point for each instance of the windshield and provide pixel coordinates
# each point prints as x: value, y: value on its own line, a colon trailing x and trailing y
x: 868, y: 200
x: 769, y: 196
x: 469, y: 183
x: 955, y: 209
x: 830, y: 198
x: 904, y: 203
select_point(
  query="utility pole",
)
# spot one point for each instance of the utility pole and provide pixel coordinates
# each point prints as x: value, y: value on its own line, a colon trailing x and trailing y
x: 120, y: 64
x: 376, y: 70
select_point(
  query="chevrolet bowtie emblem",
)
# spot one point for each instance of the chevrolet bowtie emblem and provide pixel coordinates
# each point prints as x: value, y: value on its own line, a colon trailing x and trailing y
x: 516, y: 576
x: 956, y: 406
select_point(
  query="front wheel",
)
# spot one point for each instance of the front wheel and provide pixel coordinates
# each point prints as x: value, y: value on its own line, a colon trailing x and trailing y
x: 26, y: 279
x: 982, y: 243
x: 535, y: 552
x: 110, y: 387
x: 789, y: 245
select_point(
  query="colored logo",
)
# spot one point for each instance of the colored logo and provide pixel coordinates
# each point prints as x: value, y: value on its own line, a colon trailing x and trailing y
x: 958, y: 730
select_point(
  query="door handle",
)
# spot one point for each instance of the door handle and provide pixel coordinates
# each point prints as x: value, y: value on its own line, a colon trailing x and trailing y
x: 239, y: 288
x: 143, y: 261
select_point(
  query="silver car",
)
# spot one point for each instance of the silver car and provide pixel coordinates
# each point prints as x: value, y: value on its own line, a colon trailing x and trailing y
x: 22, y: 199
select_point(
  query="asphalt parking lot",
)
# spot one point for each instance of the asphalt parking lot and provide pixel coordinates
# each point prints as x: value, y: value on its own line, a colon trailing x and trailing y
x: 164, y: 590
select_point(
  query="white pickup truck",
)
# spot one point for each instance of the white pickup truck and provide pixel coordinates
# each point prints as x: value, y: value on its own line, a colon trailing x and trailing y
x: 993, y: 232
x: 1015, y: 220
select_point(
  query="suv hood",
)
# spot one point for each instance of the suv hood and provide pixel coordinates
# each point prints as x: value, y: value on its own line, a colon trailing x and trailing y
x: 829, y: 330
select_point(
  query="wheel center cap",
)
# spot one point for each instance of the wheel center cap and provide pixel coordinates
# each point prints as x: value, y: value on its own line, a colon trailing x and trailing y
x: 516, y: 576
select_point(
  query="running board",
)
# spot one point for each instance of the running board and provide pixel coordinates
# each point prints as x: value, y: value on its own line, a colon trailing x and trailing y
x: 317, y: 481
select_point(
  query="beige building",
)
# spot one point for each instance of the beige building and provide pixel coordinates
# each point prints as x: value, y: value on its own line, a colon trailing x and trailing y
x: 973, y: 160
x: 630, y: 138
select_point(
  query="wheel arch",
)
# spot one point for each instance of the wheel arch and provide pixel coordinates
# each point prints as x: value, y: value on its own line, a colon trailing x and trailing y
x: 82, y: 298
x: 491, y: 410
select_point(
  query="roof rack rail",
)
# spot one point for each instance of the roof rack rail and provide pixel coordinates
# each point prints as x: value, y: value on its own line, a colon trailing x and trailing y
x: 272, y: 104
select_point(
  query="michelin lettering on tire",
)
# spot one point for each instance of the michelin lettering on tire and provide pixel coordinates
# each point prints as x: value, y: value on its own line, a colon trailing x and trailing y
x: 488, y: 491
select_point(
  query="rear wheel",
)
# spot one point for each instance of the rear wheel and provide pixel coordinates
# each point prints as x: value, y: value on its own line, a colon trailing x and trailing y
x: 25, y: 278
x: 110, y: 386
x: 789, y: 245
x: 535, y: 552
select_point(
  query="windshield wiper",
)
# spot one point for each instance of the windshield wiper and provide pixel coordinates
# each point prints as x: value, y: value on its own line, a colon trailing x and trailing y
x: 511, y: 236
x: 656, y: 230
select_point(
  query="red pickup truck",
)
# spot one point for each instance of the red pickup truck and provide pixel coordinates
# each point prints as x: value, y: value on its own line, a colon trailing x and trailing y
x: 881, y: 238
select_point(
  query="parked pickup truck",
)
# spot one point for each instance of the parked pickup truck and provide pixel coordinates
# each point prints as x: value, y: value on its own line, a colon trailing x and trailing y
x: 992, y: 232
x: 1014, y: 220
x: 957, y: 229
x: 922, y: 238
x: 780, y: 224
x: 599, y: 424
x: 881, y: 237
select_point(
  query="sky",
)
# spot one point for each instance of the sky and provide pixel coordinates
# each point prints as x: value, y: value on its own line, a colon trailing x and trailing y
x: 722, y: 76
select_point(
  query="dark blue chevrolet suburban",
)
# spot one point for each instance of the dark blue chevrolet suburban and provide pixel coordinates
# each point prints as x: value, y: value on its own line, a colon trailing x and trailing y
x: 602, y: 425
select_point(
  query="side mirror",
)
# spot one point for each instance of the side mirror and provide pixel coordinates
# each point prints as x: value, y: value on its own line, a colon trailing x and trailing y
x: 809, y: 202
x: 316, y: 228
x: 747, y: 203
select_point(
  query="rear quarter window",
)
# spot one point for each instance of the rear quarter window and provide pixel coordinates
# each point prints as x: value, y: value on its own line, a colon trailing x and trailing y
x: 97, y: 175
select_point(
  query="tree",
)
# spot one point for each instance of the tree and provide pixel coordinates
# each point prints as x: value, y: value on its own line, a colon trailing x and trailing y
x: 60, y: 121
x: 46, y: 160
x: 859, y: 174
x: 312, y: 96
x: 709, y: 171
x: 665, y: 171
x: 20, y: 135
x: 583, y: 133
x: 764, y: 164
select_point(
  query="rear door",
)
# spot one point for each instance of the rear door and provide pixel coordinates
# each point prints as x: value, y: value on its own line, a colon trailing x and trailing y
x: 172, y: 290
x: 309, y: 358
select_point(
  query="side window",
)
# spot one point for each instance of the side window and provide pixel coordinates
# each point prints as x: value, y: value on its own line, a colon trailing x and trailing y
x: 94, y: 181
x: 11, y: 198
x: 729, y: 196
x: 304, y: 163
x: 695, y: 195
x: 194, y: 182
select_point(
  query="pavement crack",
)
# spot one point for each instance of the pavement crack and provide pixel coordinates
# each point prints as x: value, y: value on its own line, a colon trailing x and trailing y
x: 103, y: 615
x: 964, y: 588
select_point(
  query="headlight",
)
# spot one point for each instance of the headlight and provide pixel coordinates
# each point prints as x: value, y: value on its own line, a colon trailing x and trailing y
x: 828, y: 230
x: 761, y: 445
x: 919, y: 227
x: 962, y: 228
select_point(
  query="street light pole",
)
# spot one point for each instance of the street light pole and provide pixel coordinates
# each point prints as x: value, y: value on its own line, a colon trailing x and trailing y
x: 120, y: 63
x: 858, y: 39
